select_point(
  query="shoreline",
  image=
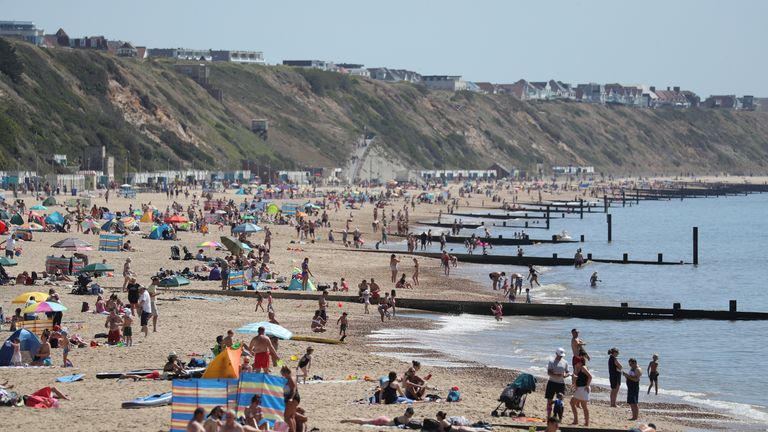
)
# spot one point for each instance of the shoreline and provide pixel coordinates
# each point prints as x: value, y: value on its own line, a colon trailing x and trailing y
x: 188, y: 326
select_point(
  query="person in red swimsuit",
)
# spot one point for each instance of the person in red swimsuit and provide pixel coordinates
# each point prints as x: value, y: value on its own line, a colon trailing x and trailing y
x: 261, y: 348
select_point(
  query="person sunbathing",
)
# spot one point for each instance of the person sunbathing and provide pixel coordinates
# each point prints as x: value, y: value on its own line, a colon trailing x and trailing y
x: 447, y: 426
x: 150, y: 376
x: 384, y: 420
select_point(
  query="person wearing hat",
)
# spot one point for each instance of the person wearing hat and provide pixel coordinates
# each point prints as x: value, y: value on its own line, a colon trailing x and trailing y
x: 145, y: 302
x: 557, y: 369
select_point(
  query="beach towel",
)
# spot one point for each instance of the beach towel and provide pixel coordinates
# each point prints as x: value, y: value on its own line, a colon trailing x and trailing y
x: 110, y: 243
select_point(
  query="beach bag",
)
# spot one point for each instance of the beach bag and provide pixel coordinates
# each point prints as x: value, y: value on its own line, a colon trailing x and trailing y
x: 453, y: 396
x: 430, y: 425
x: 196, y: 362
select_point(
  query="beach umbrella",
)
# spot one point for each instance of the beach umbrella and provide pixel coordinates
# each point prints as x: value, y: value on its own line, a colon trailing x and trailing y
x: 270, y: 329
x: 16, y: 219
x: 210, y: 244
x: 38, y: 207
x: 45, y: 306
x: 71, y: 242
x: 233, y: 245
x: 176, y: 219
x: 247, y: 228
x: 30, y: 226
x: 97, y: 268
x: 7, y: 262
x: 174, y: 281
x: 23, y: 298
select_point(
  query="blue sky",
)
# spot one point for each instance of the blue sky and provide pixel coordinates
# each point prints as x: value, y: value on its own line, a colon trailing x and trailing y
x: 711, y: 47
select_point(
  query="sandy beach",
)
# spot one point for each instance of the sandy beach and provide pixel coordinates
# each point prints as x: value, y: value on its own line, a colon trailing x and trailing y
x: 190, y: 326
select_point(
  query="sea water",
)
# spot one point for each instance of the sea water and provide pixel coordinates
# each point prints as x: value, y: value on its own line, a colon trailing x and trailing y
x: 716, y: 364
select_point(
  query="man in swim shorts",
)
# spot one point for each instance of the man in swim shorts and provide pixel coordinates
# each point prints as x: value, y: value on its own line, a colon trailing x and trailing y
x: 261, y: 348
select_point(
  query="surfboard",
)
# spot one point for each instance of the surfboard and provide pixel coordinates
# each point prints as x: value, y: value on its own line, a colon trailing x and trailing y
x: 149, y: 401
x: 115, y: 375
x: 70, y: 378
x: 316, y: 340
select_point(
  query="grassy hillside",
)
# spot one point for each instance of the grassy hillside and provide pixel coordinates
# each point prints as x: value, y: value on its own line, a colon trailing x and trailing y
x: 144, y: 111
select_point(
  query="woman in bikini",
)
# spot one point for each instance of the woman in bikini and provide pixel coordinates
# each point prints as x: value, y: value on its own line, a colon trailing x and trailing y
x: 393, y: 262
x: 384, y: 420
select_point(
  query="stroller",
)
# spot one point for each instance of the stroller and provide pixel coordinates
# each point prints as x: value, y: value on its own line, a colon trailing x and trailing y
x: 81, y: 284
x: 187, y: 254
x: 175, y: 253
x: 514, y: 395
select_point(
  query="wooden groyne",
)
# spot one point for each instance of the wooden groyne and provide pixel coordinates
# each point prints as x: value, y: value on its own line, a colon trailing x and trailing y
x: 501, y: 241
x: 567, y: 310
x: 482, y: 224
x: 553, y: 261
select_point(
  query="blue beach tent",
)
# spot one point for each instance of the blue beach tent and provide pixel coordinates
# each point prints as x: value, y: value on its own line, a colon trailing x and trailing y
x: 27, y: 339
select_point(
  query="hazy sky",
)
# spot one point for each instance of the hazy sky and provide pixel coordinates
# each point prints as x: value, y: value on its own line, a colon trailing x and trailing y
x: 709, y: 46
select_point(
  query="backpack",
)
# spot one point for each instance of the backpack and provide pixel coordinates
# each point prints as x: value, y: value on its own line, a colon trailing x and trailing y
x: 430, y: 425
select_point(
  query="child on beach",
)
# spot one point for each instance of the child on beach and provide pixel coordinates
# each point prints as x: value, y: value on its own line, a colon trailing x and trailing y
x: 342, y: 323
x: 259, y: 301
x: 304, y: 364
x: 64, y: 345
x: 127, y: 330
x: 335, y: 286
x: 344, y: 285
x: 497, y: 311
x: 653, y: 374
x: 366, y: 299
x: 16, y: 356
x: 558, y: 407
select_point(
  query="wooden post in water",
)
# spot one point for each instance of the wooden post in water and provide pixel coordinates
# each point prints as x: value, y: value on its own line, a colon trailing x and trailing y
x: 547, y: 216
x: 605, y: 203
x: 637, y: 196
x: 623, y: 198
x: 661, y: 258
x: 581, y: 238
x: 608, y: 218
x: 625, y: 257
x: 695, y: 245
x: 581, y: 208
x: 732, y: 306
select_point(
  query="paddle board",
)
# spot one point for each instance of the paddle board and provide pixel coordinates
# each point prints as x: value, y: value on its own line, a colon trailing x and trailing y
x: 316, y: 340
x: 115, y: 375
x: 149, y: 401
x: 70, y: 378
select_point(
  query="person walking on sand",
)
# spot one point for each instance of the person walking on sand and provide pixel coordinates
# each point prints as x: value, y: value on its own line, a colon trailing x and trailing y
x: 127, y: 273
x: 633, y: 387
x: 145, y: 303
x: 558, y: 371
x: 653, y: 374
x: 393, y: 262
x: 495, y: 278
x: 614, y: 373
x: 415, y: 276
x: 343, y: 323
x: 305, y: 273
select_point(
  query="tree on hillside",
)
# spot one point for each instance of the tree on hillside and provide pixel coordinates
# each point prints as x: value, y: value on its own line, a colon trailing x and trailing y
x: 10, y: 64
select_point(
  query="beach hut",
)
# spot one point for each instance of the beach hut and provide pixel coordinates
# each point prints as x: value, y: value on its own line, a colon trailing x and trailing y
x: 225, y: 365
x: 29, y: 346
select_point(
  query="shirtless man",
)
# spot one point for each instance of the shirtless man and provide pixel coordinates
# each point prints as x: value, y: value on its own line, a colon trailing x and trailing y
x: 43, y: 353
x: 227, y: 341
x: 196, y: 424
x: 495, y: 278
x: 322, y: 304
x: 261, y: 348
x: 213, y: 422
x: 230, y: 424
x: 577, y: 345
x: 113, y: 324
x: 374, y: 288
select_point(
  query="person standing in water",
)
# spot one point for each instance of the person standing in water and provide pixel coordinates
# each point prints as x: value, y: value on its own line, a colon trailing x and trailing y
x: 533, y: 275
x: 593, y: 280
x: 653, y: 374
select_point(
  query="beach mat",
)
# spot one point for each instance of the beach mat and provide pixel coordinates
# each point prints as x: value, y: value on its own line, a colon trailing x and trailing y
x: 205, y: 298
x: 70, y: 378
